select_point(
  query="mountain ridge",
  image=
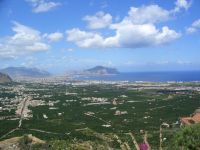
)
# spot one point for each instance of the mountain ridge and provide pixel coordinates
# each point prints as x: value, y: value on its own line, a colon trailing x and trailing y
x: 24, y: 71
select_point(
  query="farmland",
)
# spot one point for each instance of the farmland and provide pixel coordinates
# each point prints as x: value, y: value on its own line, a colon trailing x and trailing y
x: 96, y: 111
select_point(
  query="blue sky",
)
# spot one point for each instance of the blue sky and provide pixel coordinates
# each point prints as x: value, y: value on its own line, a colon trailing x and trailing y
x: 131, y: 35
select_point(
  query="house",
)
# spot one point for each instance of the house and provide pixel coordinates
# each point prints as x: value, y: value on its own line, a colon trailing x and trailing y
x: 190, y: 120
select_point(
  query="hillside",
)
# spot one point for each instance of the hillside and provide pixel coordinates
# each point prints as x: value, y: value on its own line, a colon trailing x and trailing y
x: 5, y: 78
x: 24, y: 72
x: 101, y: 70
x: 22, y: 143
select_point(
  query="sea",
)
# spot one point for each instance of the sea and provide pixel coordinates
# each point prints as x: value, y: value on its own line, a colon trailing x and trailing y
x: 176, y: 76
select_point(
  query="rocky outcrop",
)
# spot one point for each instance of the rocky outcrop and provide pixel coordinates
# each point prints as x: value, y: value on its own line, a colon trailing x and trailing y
x: 4, y: 78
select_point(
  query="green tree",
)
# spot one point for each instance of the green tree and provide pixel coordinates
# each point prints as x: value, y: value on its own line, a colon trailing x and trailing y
x: 188, y: 138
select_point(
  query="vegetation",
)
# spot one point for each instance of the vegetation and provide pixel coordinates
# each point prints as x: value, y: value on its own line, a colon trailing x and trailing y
x: 188, y: 138
x: 67, y: 106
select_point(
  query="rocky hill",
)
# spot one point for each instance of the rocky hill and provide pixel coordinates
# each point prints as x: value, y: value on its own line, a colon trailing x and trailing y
x: 5, y: 78
x: 23, y: 143
x: 101, y: 70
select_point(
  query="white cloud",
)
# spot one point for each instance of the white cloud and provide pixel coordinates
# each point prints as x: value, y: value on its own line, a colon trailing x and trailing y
x: 127, y: 36
x: 131, y: 35
x: 181, y: 62
x: 54, y: 37
x: 30, y: 61
x: 25, y: 40
x: 182, y: 4
x: 138, y: 29
x: 67, y: 50
x: 104, y: 5
x: 84, y: 39
x: 43, y: 5
x: 194, y: 27
x: 99, y: 20
x: 196, y: 24
x: 191, y: 30
x: 70, y: 49
x: 148, y: 14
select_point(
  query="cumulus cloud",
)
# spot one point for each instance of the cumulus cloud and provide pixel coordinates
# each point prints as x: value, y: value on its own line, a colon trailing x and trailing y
x: 54, y: 37
x: 25, y: 40
x: 194, y: 27
x: 99, y: 20
x: 127, y: 35
x: 148, y: 14
x: 142, y: 35
x: 182, y: 4
x: 43, y: 5
x: 84, y: 39
x: 137, y: 29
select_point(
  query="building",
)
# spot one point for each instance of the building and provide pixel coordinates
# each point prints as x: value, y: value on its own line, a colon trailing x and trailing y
x: 190, y: 120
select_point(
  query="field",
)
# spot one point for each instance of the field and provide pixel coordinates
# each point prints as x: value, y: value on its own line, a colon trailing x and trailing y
x: 96, y: 112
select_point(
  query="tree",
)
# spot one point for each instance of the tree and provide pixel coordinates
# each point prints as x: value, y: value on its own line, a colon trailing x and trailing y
x: 188, y: 138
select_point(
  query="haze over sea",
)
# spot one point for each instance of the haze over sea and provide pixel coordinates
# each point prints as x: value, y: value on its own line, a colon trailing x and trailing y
x: 185, y: 76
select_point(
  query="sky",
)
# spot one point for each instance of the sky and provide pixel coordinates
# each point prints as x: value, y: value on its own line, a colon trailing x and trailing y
x: 130, y: 35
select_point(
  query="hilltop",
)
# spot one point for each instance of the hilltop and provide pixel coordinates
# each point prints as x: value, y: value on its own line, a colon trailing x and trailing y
x: 5, y: 78
x: 25, y: 72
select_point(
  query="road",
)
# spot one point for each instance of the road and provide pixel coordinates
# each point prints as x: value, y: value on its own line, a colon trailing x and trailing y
x: 21, y: 118
x: 22, y: 112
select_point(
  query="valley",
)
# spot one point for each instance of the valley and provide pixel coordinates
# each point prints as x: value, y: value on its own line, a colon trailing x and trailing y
x: 96, y: 111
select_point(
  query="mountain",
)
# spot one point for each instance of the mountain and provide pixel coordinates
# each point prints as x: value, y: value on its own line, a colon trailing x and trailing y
x: 24, y: 72
x: 5, y: 78
x: 101, y: 70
